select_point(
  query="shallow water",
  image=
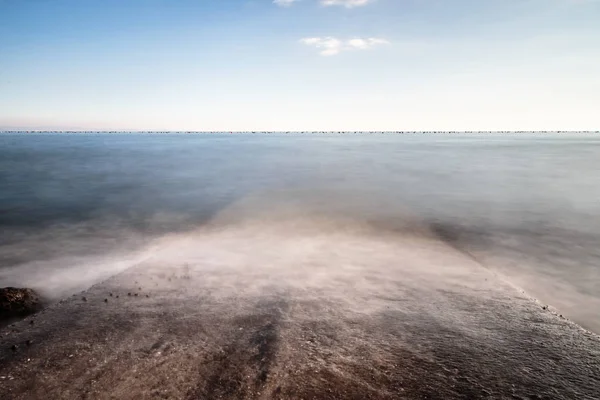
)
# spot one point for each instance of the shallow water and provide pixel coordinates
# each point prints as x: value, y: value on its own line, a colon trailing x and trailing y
x: 75, y: 209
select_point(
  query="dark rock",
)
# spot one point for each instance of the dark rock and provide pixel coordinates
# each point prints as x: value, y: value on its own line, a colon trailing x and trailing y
x: 110, y: 294
x: 14, y: 347
x: 28, y: 343
x: 84, y: 298
x: 106, y: 300
x: 129, y: 294
x: 17, y: 302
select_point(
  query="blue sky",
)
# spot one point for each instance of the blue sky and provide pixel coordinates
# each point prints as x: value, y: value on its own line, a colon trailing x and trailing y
x: 305, y: 65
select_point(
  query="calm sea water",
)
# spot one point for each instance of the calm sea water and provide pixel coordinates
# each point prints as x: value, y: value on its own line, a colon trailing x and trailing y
x: 75, y: 209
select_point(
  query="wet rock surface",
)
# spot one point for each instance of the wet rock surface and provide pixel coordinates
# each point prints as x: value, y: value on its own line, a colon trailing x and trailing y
x: 389, y: 330
x: 18, y: 302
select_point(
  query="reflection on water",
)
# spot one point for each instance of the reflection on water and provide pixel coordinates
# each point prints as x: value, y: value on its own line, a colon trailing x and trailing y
x: 75, y: 209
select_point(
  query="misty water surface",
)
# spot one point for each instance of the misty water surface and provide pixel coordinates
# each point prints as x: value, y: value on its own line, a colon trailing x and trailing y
x: 77, y: 208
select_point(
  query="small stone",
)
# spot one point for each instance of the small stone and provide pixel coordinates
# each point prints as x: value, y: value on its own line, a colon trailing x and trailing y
x: 106, y: 300
x: 135, y: 295
x: 18, y: 302
x: 110, y: 294
x: 31, y: 322
x: 84, y: 298
x: 14, y: 347
x: 117, y: 296
x: 147, y: 295
x: 140, y: 288
x: 28, y: 343
x: 129, y: 294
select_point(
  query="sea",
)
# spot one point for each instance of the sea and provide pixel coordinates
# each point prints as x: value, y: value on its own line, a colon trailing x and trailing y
x: 77, y: 208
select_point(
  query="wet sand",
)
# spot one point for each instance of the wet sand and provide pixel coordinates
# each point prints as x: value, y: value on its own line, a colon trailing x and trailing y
x: 342, y: 321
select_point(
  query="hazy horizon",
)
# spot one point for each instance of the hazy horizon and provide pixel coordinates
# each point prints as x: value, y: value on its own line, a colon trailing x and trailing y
x: 117, y: 131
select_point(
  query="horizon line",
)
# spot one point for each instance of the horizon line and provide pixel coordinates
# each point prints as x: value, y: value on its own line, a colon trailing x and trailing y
x: 25, y: 131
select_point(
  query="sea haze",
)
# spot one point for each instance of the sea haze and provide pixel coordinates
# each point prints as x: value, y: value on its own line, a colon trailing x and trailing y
x: 76, y: 209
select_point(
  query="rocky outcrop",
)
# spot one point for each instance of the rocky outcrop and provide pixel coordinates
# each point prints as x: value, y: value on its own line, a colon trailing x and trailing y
x: 18, y: 302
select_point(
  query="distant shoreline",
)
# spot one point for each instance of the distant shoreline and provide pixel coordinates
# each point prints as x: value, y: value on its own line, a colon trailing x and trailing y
x: 289, y: 132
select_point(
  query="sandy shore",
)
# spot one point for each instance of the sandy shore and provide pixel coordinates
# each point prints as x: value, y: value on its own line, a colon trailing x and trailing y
x: 384, y: 326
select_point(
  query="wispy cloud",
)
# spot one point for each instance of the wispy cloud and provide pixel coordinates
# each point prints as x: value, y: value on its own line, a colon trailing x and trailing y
x: 331, y: 46
x: 346, y: 3
x: 285, y: 3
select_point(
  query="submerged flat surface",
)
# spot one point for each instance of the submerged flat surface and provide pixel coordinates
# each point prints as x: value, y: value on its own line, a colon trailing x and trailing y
x: 332, y: 311
x: 77, y: 208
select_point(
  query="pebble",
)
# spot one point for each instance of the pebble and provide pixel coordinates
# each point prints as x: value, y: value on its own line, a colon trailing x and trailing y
x: 106, y: 300
x: 84, y: 299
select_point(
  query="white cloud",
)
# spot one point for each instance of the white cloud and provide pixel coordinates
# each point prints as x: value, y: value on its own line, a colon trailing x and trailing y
x: 330, y: 46
x: 364, y: 44
x: 346, y: 3
x: 284, y: 3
